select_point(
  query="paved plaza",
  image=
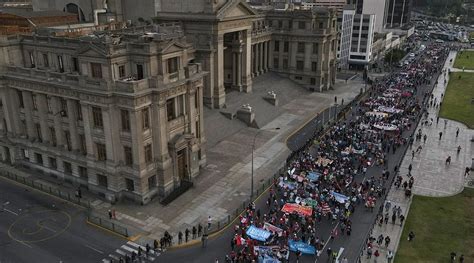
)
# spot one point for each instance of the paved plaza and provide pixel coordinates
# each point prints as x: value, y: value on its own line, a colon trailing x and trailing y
x: 432, y: 176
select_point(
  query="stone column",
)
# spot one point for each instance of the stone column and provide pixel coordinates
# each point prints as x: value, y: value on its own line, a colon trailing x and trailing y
x: 136, y: 132
x: 43, y: 117
x: 12, y: 108
x: 260, y: 58
x: 219, y: 90
x: 58, y: 121
x: 239, y: 70
x: 28, y: 103
x: 292, y: 56
x: 72, y: 115
x: 307, y: 57
x: 87, y: 121
x: 109, y: 131
x: 265, y: 56
x: 247, y: 61
x: 234, y: 69
x: 164, y: 162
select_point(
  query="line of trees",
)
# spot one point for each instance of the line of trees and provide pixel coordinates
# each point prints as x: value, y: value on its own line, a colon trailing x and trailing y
x: 441, y: 7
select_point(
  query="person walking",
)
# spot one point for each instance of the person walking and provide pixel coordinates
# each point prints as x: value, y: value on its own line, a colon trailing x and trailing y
x: 440, y: 135
x: 458, y: 150
x: 194, y: 232
x: 389, y: 256
x: 457, y: 132
x: 402, y: 218
x: 411, y: 236
x: 180, y: 237
x: 199, y: 230
x: 387, y: 241
x: 448, y: 161
x: 209, y: 222
x: 186, y: 234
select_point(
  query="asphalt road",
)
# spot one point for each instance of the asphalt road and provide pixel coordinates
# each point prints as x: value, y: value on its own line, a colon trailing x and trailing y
x: 35, y: 227
x: 362, y: 220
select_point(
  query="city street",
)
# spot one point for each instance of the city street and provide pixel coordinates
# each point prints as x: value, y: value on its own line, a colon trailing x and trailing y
x: 35, y: 227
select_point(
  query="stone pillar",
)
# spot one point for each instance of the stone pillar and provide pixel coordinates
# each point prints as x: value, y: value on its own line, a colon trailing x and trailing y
x: 265, y: 56
x: 72, y: 115
x: 136, y: 132
x: 307, y: 57
x: 260, y: 58
x: 28, y: 103
x: 12, y: 108
x: 87, y: 121
x: 239, y: 70
x: 109, y: 131
x: 247, y: 62
x: 219, y: 90
x: 164, y: 162
x: 292, y: 56
x: 234, y: 69
x: 43, y: 117
x: 58, y: 121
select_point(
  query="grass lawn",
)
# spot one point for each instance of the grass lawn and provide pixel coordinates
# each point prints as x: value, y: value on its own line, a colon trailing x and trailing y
x: 441, y: 226
x: 457, y: 100
x: 466, y: 59
x: 471, y: 34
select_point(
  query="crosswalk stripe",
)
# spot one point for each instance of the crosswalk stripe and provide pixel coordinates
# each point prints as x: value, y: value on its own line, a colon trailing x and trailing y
x: 105, y: 260
x: 120, y: 252
x: 143, y: 248
x: 129, y: 249
x: 114, y: 257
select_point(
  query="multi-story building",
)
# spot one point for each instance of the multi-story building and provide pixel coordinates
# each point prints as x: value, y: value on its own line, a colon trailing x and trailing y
x: 337, y: 4
x: 397, y: 13
x: 120, y: 113
x: 303, y: 46
x: 345, y: 39
x: 362, y: 38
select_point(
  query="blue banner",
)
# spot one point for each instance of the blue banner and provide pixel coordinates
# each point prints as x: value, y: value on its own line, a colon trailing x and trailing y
x: 302, y: 247
x: 258, y: 233
x: 339, y: 197
x: 313, y: 176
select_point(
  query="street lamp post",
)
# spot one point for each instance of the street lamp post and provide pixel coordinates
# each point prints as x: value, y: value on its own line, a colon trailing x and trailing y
x: 253, y: 149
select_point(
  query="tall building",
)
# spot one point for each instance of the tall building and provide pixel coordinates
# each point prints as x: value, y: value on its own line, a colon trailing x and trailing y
x: 120, y: 113
x: 397, y: 13
x: 362, y: 38
x: 345, y: 39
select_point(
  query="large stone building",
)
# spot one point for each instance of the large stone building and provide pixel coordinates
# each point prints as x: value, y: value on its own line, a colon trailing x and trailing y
x: 233, y: 41
x: 120, y: 113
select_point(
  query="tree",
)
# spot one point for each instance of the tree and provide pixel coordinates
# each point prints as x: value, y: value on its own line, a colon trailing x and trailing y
x: 394, y: 55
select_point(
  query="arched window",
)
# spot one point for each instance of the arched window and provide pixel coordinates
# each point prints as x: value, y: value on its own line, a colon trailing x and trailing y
x: 75, y: 9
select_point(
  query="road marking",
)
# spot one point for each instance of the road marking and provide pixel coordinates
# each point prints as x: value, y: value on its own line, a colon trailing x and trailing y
x: 19, y: 241
x: 10, y: 211
x: 114, y: 257
x: 96, y: 250
x: 42, y: 225
x: 120, y: 252
x: 329, y: 239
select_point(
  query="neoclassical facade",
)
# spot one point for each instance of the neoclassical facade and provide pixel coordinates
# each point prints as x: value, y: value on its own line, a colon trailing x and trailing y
x: 120, y: 113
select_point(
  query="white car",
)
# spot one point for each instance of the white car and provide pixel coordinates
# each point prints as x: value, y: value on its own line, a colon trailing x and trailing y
x: 412, y: 55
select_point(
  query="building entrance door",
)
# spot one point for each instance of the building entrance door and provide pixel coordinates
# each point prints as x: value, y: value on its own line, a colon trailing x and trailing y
x: 181, y: 156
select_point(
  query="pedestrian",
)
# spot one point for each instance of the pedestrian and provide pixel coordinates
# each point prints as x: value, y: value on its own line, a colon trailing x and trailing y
x: 411, y: 236
x: 204, y: 240
x: 369, y: 252
x: 345, y: 260
x: 445, y: 123
x: 180, y: 237
x: 199, y: 230
x: 437, y: 118
x: 110, y: 214
x: 113, y: 214
x: 186, y: 234
x: 376, y: 255
x: 440, y: 135
x: 467, y: 171
x: 232, y: 244
x: 461, y: 258
x: 147, y: 249
x: 387, y: 241
x: 448, y: 161
x: 194, y: 231
x: 389, y: 256
x: 394, y: 218
x: 457, y: 132
x: 412, y: 154
x: 402, y: 218
x: 155, y: 245
x: 453, y: 256
x: 209, y: 222
x: 458, y: 150
x: 424, y: 138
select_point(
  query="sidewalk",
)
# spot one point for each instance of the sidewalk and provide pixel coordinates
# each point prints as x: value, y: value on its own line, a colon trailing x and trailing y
x: 432, y: 177
x: 224, y: 182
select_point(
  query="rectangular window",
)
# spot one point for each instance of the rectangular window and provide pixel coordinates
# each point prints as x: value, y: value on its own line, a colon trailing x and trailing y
x: 53, y: 135
x: 315, y: 48
x: 52, y: 163
x: 128, y: 156
x: 82, y: 140
x: 121, y: 70
x: 97, y: 117
x: 300, y: 65
x: 35, y: 101
x: 45, y: 60
x: 170, y: 109
x: 301, y: 25
x: 313, y: 81
x: 49, y: 104
x: 276, y: 61
x: 67, y: 137
x: 32, y: 59
x: 63, y: 107
x: 102, y: 180
x: 96, y: 69
x: 321, y: 25
x: 276, y: 46
x: 300, y: 47
x: 196, y: 99
x: 75, y: 64
x: 148, y: 153
x: 280, y: 24
x: 38, y: 132
x: 39, y: 158
x: 139, y: 71
x: 151, y: 181
x: 129, y: 184
x: 60, y: 64
x: 285, y: 63
x: 83, y: 172
x: 314, y: 66
x: 20, y: 98
x: 67, y: 168
x: 79, y: 110
x: 146, y: 118
x: 173, y: 64
x: 101, y: 152
x: 286, y: 47
x: 125, y: 116
x: 198, y: 130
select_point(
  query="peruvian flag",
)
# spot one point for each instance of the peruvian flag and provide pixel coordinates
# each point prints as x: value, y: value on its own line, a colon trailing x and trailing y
x: 239, y: 241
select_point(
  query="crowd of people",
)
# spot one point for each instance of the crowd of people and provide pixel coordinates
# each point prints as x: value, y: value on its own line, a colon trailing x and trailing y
x: 329, y: 180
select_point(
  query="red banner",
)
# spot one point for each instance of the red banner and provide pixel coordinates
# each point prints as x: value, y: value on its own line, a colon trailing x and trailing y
x: 302, y: 210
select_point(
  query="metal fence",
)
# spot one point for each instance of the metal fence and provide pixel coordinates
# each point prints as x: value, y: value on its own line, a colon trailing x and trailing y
x: 107, y: 224
x: 46, y: 188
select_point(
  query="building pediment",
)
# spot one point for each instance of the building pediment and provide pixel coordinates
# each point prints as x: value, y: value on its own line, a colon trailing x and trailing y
x: 235, y: 9
x: 91, y: 50
x: 173, y: 46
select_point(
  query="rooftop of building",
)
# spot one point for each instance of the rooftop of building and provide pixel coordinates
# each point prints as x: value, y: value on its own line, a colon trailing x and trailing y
x: 27, y: 13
